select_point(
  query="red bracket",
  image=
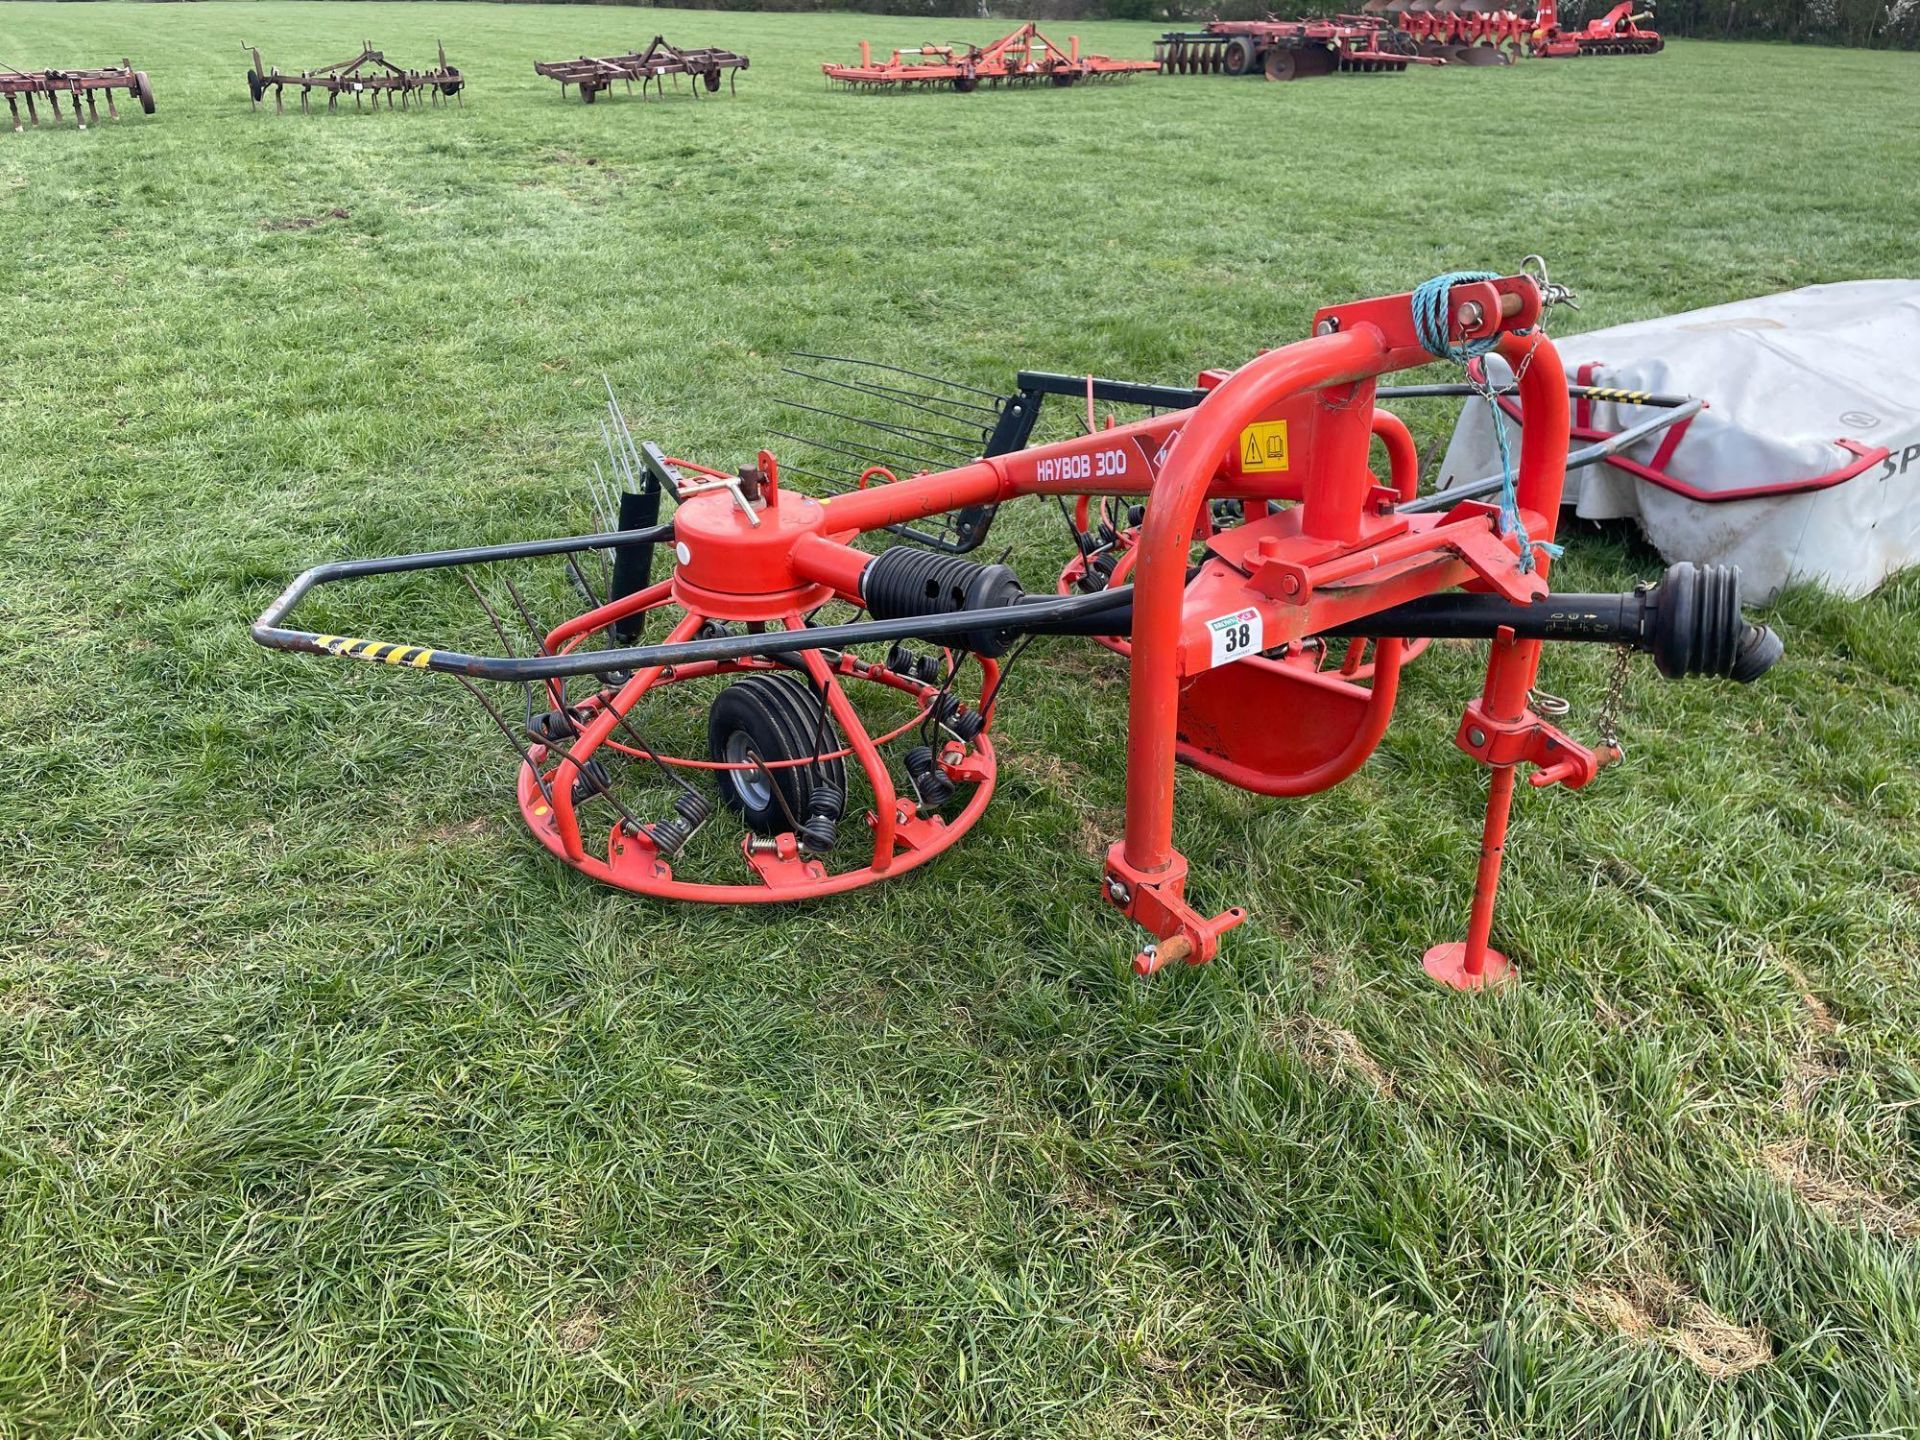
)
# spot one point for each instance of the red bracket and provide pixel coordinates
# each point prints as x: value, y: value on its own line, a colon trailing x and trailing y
x: 779, y: 863
x: 1559, y: 758
x: 1157, y: 903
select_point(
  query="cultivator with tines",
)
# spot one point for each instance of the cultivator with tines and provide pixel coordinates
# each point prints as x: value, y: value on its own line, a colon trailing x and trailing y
x: 1026, y: 57
x: 788, y: 714
x: 655, y: 65
x: 368, y: 74
x: 1288, y: 49
x: 79, y: 86
x: 1618, y: 32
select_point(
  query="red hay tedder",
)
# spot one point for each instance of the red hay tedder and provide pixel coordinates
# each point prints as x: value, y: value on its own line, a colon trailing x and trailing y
x: 76, y: 85
x: 1289, y: 49
x: 1026, y: 57
x: 1266, y: 584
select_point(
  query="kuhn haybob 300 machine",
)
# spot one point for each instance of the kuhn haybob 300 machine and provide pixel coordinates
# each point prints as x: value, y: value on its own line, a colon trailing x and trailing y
x: 1266, y: 583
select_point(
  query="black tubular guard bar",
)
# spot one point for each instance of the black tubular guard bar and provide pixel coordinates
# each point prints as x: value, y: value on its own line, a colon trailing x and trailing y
x: 1071, y: 615
x: 1035, y: 613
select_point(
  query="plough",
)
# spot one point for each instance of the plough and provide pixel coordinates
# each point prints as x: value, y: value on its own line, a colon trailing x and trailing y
x: 1268, y: 657
x: 1288, y: 49
x: 1486, y: 32
x: 1025, y: 57
x: 654, y: 64
x: 76, y: 85
x: 369, y: 73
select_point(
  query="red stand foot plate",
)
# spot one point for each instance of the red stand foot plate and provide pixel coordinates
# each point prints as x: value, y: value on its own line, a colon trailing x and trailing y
x: 1447, y: 964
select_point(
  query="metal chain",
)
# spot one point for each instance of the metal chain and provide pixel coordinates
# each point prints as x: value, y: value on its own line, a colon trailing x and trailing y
x: 1609, y: 716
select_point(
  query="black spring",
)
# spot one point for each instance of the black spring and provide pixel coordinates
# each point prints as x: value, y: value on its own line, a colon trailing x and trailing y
x: 820, y: 831
x: 952, y: 713
x: 929, y: 783
x: 592, y: 780
x: 691, y: 810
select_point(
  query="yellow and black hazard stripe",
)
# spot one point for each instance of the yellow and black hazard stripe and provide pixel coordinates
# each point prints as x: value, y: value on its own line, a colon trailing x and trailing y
x: 378, y: 652
x: 1619, y: 397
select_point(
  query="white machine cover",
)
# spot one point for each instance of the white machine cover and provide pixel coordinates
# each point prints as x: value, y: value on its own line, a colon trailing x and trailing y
x: 1786, y: 378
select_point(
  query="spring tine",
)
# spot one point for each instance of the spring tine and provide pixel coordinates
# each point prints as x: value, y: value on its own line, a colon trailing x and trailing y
x: 506, y: 644
x: 901, y: 427
x: 911, y: 399
x: 898, y: 431
x: 526, y: 615
x: 876, y: 387
x: 599, y: 497
x: 871, y: 455
x: 896, y: 369
x: 580, y: 579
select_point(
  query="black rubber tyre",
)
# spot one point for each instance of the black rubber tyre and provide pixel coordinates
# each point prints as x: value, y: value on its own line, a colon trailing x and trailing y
x: 144, y: 90
x: 255, y: 85
x: 588, y: 92
x: 711, y: 79
x: 965, y: 84
x: 775, y: 717
x: 1241, y: 55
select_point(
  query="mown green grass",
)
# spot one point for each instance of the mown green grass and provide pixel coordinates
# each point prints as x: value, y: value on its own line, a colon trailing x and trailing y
x: 330, y: 1106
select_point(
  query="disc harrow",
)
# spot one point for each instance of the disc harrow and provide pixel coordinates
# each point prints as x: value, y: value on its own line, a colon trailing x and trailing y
x: 1024, y: 57
x: 1289, y: 49
x: 369, y: 74
x: 78, y: 86
x: 654, y: 65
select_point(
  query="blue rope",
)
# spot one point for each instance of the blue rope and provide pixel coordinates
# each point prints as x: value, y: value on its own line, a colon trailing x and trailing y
x: 1430, y: 327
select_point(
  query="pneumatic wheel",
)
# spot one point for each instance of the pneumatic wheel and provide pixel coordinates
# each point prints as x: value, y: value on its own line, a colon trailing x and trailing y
x: 770, y: 718
x: 1240, y: 56
x: 143, y: 91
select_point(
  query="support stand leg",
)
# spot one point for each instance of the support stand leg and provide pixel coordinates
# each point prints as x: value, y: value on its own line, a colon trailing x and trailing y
x: 1474, y: 965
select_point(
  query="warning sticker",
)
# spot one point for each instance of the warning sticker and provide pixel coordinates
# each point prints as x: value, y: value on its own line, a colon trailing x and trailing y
x: 1235, y: 636
x: 1264, y: 446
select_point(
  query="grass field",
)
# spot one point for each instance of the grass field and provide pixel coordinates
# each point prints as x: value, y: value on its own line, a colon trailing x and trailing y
x: 330, y: 1106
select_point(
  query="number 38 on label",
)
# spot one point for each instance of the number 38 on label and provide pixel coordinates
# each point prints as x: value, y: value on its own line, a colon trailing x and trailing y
x: 1235, y: 636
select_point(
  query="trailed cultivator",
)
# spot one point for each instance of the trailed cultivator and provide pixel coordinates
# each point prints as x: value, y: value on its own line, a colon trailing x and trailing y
x: 1026, y: 57
x: 77, y: 86
x: 1232, y: 539
x: 654, y: 64
x: 1288, y: 49
x: 369, y: 73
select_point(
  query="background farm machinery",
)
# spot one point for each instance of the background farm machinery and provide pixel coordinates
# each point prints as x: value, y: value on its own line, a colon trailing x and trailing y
x: 1289, y: 49
x: 824, y: 688
x: 77, y: 86
x: 369, y: 73
x: 654, y: 65
x: 1486, y: 32
x: 1024, y: 57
